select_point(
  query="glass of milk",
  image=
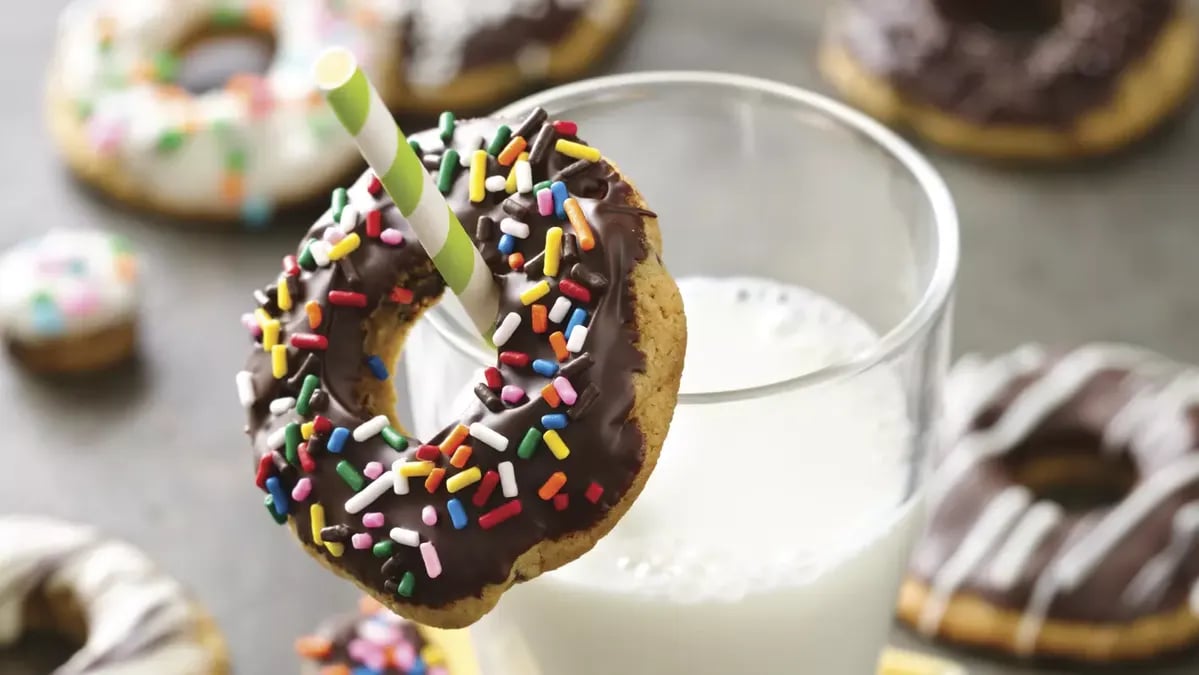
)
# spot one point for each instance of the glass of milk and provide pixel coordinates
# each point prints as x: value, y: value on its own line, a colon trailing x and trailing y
x: 816, y: 254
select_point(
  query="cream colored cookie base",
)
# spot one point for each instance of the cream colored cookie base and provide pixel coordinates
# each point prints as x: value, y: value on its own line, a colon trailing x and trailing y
x: 970, y: 620
x: 78, y: 353
x: 662, y: 333
x: 1146, y: 94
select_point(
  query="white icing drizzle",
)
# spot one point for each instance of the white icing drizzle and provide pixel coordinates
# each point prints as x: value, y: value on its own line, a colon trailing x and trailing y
x: 1043, y: 591
x: 1195, y: 599
x: 1013, y: 557
x: 140, y: 622
x: 1149, y: 584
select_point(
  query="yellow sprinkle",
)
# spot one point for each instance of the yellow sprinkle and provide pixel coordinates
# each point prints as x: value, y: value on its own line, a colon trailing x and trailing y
x: 463, y: 479
x: 345, y: 247
x: 432, y: 655
x: 316, y: 514
x: 536, y: 292
x: 270, y: 335
x: 279, y: 361
x: 284, y: 294
x: 335, y: 549
x: 510, y: 186
x: 478, y: 175
x: 413, y: 469
x: 553, y: 251
x: 306, y: 430
x: 556, y: 444
x: 577, y: 150
x: 262, y: 317
x: 313, y: 308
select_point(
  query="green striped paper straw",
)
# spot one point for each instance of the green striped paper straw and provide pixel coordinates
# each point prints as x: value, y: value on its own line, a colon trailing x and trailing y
x: 385, y: 147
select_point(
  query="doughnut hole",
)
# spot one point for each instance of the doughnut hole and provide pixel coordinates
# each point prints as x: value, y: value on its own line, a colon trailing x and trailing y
x: 54, y: 629
x: 209, y: 59
x: 1023, y: 17
x: 1073, y: 472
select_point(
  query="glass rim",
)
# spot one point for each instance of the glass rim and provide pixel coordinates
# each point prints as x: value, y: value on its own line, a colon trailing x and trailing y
x: 933, y: 299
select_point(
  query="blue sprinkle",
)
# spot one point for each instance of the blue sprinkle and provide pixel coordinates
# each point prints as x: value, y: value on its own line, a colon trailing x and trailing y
x: 554, y: 421
x: 47, y: 320
x: 256, y: 212
x: 418, y: 667
x: 577, y: 318
x: 363, y: 670
x: 558, y: 190
x: 457, y: 513
x: 507, y: 244
x: 337, y: 439
x: 545, y: 367
x: 378, y: 368
x: 276, y: 489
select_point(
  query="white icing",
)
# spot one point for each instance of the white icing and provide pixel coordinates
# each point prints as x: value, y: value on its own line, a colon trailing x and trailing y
x: 1149, y: 584
x: 66, y: 282
x: 1011, y: 560
x: 140, y: 622
x: 1195, y: 599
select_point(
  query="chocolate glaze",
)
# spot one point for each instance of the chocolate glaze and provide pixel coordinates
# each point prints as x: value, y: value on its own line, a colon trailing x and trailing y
x: 606, y: 448
x: 1075, y: 429
x: 948, y: 54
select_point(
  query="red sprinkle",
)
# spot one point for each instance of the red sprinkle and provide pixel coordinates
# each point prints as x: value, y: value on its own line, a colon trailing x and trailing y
x: 374, y: 223
x: 290, y: 266
x: 348, y: 299
x: 486, y: 487
x: 310, y: 341
x: 575, y: 291
x: 402, y: 296
x: 493, y: 377
x: 266, y: 467
x: 306, y: 461
x: 566, y: 127
x: 375, y: 186
x: 518, y: 359
x: 594, y: 492
x: 561, y: 501
x: 433, y: 481
x: 499, y: 514
x: 322, y: 425
x: 428, y: 453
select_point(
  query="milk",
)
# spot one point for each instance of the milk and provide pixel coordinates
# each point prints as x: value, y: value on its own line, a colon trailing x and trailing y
x: 773, y: 533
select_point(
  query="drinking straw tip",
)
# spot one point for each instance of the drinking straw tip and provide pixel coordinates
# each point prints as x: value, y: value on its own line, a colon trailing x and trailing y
x: 334, y: 67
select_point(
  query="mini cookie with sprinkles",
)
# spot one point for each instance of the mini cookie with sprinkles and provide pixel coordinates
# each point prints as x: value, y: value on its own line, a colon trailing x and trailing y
x: 68, y: 301
x: 567, y: 424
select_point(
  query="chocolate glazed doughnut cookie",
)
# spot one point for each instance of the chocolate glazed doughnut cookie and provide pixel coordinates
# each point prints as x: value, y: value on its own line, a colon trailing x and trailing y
x: 1015, y: 79
x: 1064, y: 517
x: 567, y: 424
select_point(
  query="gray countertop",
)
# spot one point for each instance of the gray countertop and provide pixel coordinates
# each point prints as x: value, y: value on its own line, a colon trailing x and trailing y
x: 154, y: 454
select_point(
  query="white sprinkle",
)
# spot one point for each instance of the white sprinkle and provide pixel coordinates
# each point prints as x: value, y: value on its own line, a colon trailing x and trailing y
x: 515, y: 228
x: 402, y: 535
x: 524, y: 176
x: 495, y: 183
x: 507, y: 327
x: 370, y: 493
x: 401, y: 481
x: 374, y: 425
x: 559, y: 310
x: 577, y: 337
x: 489, y: 436
x: 435, y: 160
x: 320, y: 252
x: 349, y: 219
x: 282, y: 405
x: 507, y: 479
x: 245, y: 388
x: 275, y: 440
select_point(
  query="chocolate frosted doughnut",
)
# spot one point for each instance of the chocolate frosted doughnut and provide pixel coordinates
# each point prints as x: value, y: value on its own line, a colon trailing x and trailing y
x: 567, y: 424
x: 1064, y: 516
x: 1026, y: 79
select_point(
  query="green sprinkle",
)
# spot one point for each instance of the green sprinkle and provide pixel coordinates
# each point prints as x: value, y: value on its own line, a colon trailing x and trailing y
x: 170, y: 140
x: 445, y: 127
x: 543, y: 185
x: 306, y: 390
x: 320, y: 126
x: 235, y: 161
x: 350, y: 475
x: 166, y: 67
x: 445, y: 174
x: 223, y: 127
x: 502, y: 135
x: 226, y: 16
x: 339, y: 201
x: 120, y: 244
x: 415, y: 145
x: 382, y: 549
x: 406, y: 585
x: 84, y: 108
x: 269, y: 502
x: 394, y: 439
x: 528, y: 445
x: 306, y: 260
x: 291, y: 440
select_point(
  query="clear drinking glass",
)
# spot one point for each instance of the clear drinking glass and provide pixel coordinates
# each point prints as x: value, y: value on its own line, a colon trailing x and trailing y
x: 816, y: 252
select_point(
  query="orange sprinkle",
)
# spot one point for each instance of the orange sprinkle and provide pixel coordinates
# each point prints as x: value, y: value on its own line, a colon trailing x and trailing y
x: 106, y: 28
x: 233, y: 188
x: 313, y: 647
x: 552, y: 486
x: 338, y: 669
x: 126, y: 268
x: 242, y: 83
x: 577, y: 220
x: 558, y: 342
x: 516, y: 261
x: 550, y: 395
x: 461, y: 456
x: 260, y: 15
x: 434, y: 480
x: 142, y: 72
x: 509, y: 154
x: 540, y: 318
x: 451, y: 442
x: 369, y: 605
x: 313, y: 308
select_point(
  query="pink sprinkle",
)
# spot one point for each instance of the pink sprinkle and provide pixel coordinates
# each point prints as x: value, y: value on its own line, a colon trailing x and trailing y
x: 438, y: 670
x: 358, y: 649
x: 432, y: 562
x: 333, y: 235
x: 105, y: 135
x: 302, y: 489
x: 362, y: 540
x: 428, y: 515
x: 512, y: 393
x: 372, y: 519
x: 251, y: 324
x: 376, y: 660
x: 566, y: 390
x: 392, y: 237
x: 372, y: 470
x: 545, y: 202
x: 380, y: 633
x: 404, y: 655
x: 82, y: 304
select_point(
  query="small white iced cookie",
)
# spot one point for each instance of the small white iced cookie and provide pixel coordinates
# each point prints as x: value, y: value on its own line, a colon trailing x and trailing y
x: 139, y: 621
